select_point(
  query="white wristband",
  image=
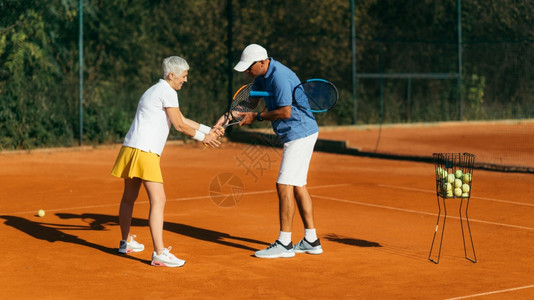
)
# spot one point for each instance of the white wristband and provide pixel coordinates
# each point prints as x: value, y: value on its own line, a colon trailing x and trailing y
x: 199, y: 136
x: 204, y: 129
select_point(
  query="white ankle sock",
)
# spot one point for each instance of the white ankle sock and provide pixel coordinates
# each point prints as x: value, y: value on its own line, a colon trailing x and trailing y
x: 285, y: 237
x: 310, y: 235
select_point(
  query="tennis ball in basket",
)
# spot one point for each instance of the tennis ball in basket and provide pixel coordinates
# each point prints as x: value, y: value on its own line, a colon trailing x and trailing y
x: 41, y: 213
x: 450, y: 178
x: 466, y: 178
x: 465, y: 195
x: 457, y: 183
x: 447, y: 186
x: 442, y: 188
x: 458, y: 173
x: 457, y: 192
x: 442, y: 174
x: 466, y: 188
x: 449, y: 193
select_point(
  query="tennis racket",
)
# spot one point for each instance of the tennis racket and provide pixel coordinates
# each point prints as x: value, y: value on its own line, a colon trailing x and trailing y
x: 315, y: 95
x: 243, y: 101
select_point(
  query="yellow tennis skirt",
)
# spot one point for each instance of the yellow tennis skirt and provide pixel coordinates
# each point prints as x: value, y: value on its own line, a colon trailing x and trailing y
x: 132, y: 162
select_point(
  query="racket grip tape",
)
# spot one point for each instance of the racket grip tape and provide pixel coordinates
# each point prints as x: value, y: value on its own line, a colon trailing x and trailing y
x: 259, y: 94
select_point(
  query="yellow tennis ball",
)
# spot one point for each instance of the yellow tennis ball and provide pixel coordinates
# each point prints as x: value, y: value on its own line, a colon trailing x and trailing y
x: 443, y: 174
x: 466, y: 188
x: 41, y: 213
x: 457, y: 183
x: 466, y: 178
x: 457, y: 192
x: 458, y: 173
x: 450, y: 178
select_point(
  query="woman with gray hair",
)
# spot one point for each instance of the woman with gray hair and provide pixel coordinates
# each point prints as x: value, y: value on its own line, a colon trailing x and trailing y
x: 138, y: 162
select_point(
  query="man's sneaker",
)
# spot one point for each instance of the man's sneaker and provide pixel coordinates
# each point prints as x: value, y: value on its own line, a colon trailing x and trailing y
x: 306, y: 247
x: 276, y: 250
x: 132, y: 246
x: 166, y: 259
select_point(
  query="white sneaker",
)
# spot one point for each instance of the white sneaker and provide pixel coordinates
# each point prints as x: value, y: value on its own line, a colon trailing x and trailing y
x: 166, y: 259
x: 306, y: 247
x: 276, y: 250
x: 132, y: 246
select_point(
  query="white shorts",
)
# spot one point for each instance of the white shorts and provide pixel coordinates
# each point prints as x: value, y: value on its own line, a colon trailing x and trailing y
x: 296, y: 161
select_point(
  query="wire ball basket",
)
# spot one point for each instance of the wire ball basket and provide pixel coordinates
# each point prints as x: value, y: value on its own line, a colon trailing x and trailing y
x: 454, y: 174
x: 454, y: 177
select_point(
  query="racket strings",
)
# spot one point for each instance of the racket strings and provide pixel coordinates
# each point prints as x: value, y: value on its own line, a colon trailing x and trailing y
x: 240, y: 98
x: 242, y: 102
x: 320, y: 96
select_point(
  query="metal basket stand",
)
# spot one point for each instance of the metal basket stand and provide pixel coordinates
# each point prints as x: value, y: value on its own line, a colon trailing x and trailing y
x: 454, y: 177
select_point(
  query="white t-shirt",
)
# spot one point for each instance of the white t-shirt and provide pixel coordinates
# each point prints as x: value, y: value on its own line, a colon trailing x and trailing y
x: 151, y: 126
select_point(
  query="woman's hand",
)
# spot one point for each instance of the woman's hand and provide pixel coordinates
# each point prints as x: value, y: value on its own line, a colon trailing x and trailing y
x: 217, y: 131
x: 211, y: 140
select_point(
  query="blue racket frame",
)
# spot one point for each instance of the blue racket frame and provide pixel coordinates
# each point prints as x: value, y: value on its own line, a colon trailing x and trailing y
x: 268, y: 94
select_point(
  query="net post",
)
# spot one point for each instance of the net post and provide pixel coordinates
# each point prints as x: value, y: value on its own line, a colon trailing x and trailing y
x: 80, y: 71
x: 354, y: 58
x: 459, y: 79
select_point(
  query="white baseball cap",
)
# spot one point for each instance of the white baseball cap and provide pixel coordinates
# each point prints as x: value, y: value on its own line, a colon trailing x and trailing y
x: 250, y: 55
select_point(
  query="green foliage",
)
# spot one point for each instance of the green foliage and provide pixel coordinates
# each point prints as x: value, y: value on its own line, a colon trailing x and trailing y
x: 125, y: 42
x: 29, y: 115
x: 473, y: 96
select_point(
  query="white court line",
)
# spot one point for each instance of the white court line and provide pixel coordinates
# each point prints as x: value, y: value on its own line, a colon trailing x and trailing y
x: 434, y: 192
x: 419, y: 212
x: 494, y: 292
x: 168, y: 200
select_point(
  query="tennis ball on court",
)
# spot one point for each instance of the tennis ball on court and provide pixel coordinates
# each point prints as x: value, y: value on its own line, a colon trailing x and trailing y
x: 450, y: 178
x: 457, y: 192
x: 458, y: 173
x: 41, y: 213
x: 457, y: 183
x: 466, y: 188
x: 465, y: 195
x: 466, y: 178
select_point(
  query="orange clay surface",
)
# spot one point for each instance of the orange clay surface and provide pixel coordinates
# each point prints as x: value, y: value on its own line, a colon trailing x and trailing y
x: 375, y: 218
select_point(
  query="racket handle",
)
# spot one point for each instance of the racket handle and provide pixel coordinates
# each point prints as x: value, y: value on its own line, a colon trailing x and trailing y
x: 260, y: 94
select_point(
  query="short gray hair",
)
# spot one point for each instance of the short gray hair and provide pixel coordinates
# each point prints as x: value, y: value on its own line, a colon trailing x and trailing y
x: 174, y: 64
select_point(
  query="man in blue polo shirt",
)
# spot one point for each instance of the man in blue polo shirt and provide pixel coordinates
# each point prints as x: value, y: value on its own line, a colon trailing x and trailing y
x: 298, y: 130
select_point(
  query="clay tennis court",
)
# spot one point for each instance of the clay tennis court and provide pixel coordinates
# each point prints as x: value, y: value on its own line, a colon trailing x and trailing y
x: 375, y: 217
